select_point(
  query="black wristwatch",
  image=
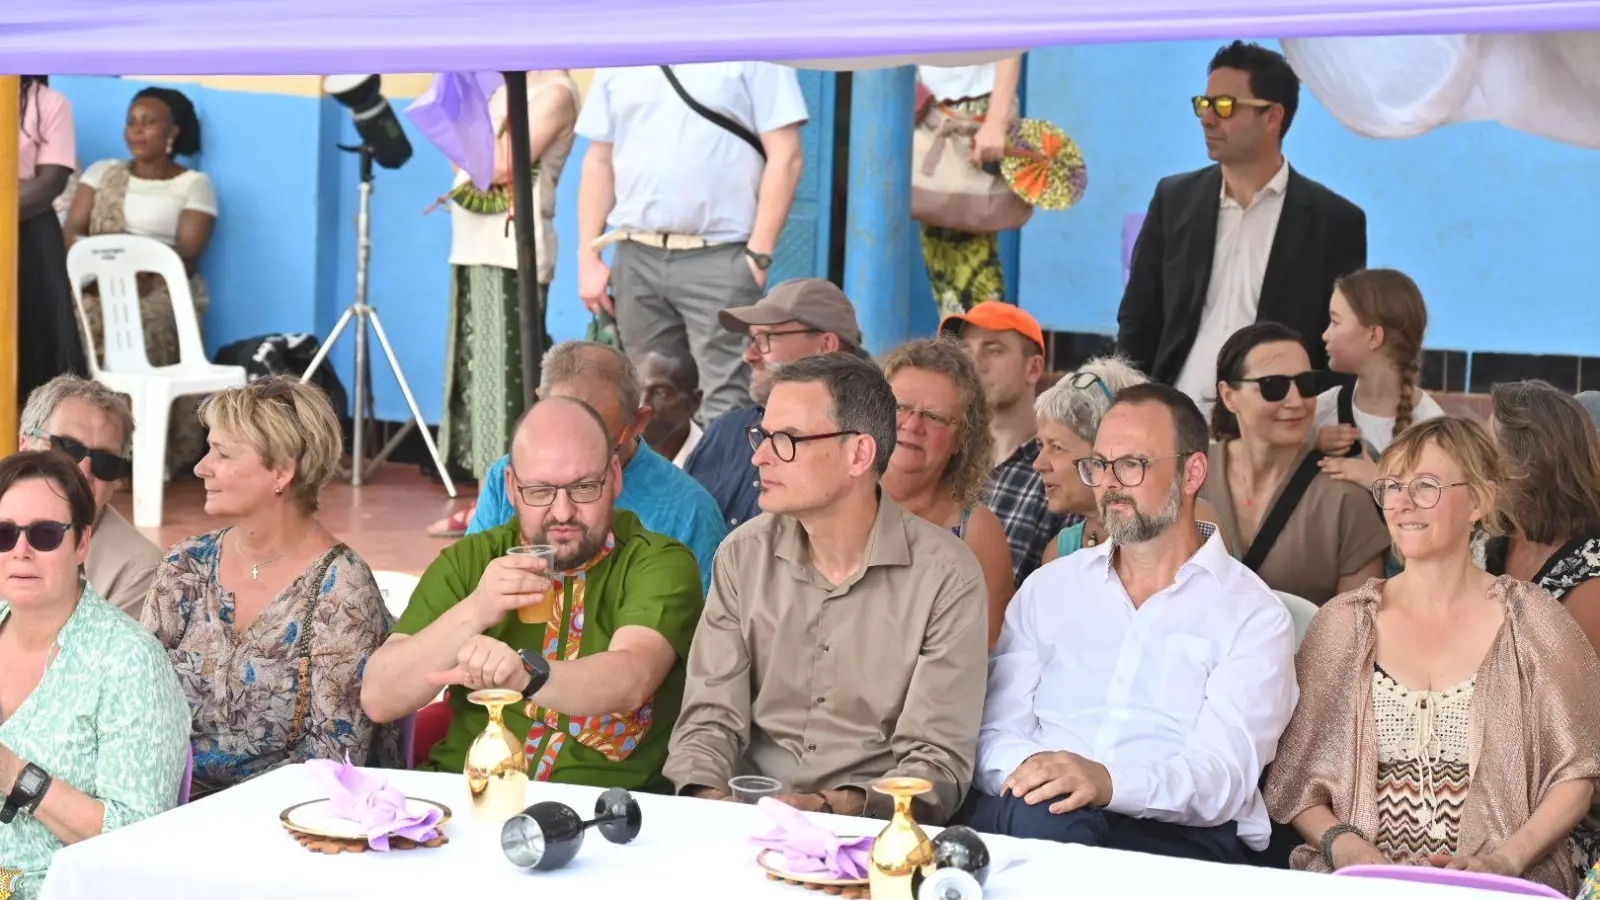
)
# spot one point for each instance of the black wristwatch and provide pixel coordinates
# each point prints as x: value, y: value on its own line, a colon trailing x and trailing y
x: 538, y: 669
x: 26, y: 794
x: 763, y: 261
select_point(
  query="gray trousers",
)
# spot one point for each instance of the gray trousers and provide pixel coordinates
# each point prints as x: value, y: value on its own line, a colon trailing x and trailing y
x: 667, y: 303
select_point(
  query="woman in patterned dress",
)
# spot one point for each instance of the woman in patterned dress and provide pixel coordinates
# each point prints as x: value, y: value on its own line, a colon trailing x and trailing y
x: 1549, y: 509
x: 87, y: 700
x: 269, y: 622
x: 1445, y: 715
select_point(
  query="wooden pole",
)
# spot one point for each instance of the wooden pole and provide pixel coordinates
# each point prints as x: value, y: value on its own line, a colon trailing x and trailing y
x: 10, y: 133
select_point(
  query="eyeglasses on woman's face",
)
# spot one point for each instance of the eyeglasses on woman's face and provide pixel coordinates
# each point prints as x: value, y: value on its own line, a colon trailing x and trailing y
x: 43, y: 536
x: 1275, y: 388
x: 1425, y: 490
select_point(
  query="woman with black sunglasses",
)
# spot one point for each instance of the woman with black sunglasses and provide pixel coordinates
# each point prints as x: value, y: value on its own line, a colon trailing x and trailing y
x: 1302, y: 531
x: 94, y: 729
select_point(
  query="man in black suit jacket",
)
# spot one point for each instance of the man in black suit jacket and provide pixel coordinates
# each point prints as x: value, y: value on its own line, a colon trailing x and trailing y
x: 1246, y: 240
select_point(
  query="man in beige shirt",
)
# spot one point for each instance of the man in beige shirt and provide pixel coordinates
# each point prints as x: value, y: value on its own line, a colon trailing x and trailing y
x: 86, y: 421
x: 844, y: 639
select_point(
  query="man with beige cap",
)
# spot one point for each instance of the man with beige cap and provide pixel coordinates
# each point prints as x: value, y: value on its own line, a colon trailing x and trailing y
x: 799, y: 318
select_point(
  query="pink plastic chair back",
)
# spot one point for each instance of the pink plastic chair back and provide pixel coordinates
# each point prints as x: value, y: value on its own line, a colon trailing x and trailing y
x: 1482, y: 881
x: 188, y: 778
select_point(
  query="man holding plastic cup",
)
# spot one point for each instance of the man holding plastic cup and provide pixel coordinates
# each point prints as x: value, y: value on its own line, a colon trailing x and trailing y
x: 593, y: 630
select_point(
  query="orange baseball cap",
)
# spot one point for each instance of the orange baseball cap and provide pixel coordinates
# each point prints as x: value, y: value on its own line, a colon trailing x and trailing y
x: 995, y: 315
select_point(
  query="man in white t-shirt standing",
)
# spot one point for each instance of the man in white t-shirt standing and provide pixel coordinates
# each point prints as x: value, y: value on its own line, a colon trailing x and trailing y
x: 694, y: 208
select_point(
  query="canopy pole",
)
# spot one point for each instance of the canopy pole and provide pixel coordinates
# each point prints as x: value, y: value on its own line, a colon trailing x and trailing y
x: 526, y: 220
x: 879, y: 232
x: 10, y: 134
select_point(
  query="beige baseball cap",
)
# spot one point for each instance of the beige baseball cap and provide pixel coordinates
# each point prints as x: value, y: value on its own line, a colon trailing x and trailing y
x: 816, y: 302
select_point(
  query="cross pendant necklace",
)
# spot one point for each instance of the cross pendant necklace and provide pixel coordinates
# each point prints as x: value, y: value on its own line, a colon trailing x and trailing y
x: 255, y: 569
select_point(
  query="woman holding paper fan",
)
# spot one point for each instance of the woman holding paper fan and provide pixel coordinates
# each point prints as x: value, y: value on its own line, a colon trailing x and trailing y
x: 93, y: 726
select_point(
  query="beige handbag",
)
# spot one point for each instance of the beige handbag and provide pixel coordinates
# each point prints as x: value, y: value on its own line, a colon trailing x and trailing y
x: 947, y: 190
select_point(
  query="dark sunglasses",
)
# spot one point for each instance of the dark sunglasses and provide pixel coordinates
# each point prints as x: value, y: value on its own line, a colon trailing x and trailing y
x: 42, y: 536
x: 103, y: 464
x: 1276, y: 387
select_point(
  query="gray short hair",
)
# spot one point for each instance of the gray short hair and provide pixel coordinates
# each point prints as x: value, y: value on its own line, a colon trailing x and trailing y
x: 44, y: 400
x: 862, y: 399
x: 1081, y: 409
x: 571, y: 361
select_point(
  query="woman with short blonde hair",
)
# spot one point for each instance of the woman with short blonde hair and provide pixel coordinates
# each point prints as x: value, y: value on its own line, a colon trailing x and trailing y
x: 1445, y: 714
x: 943, y: 453
x: 269, y: 622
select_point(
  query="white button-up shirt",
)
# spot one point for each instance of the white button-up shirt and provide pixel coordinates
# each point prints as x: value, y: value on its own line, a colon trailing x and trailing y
x: 1238, y: 265
x: 676, y: 172
x: 1182, y: 699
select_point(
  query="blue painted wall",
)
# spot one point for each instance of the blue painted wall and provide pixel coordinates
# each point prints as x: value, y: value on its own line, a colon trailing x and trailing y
x: 1497, y: 227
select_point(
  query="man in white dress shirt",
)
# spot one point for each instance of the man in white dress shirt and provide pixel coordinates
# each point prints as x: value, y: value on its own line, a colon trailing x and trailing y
x: 1139, y: 687
x: 694, y: 209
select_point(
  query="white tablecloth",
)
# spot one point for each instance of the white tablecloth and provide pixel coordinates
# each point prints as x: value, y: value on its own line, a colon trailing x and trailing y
x: 231, y: 846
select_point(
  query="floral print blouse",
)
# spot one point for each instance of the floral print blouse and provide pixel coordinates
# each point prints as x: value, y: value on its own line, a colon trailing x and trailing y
x: 107, y: 718
x: 287, y: 689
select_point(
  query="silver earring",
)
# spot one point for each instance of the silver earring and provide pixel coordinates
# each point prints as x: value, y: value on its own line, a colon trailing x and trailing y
x: 278, y: 491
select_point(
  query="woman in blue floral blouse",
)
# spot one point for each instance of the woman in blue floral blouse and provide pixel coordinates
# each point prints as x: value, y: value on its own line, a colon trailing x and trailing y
x: 94, y: 732
x: 269, y: 622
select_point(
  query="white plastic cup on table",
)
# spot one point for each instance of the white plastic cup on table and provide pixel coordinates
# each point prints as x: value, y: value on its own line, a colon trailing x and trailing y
x: 750, y: 788
x: 539, y: 610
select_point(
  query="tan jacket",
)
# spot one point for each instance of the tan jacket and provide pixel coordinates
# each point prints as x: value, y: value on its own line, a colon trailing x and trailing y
x: 122, y: 562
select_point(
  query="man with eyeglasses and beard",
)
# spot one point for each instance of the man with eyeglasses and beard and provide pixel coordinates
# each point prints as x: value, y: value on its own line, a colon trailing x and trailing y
x: 93, y: 427
x: 1139, y: 713
x: 597, y: 646
x: 844, y: 636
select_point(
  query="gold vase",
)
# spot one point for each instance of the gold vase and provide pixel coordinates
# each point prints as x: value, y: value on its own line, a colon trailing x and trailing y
x: 902, y: 855
x: 497, y: 767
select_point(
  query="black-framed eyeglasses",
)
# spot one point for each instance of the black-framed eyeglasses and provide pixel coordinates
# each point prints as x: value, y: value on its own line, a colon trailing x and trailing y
x: 1084, y: 380
x: 103, y: 464
x: 1128, y: 470
x: 1425, y: 491
x: 42, y: 536
x: 763, y: 341
x: 1225, y: 105
x: 783, y: 443
x: 1276, y: 387
x: 587, y: 491
x: 904, y: 411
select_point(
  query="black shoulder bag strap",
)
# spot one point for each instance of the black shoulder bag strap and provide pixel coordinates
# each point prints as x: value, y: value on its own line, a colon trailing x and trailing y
x: 1346, y: 400
x: 1278, y: 516
x: 732, y: 126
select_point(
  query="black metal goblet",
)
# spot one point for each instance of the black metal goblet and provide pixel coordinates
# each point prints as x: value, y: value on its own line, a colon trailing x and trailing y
x: 961, y: 861
x: 547, y: 835
x: 959, y: 847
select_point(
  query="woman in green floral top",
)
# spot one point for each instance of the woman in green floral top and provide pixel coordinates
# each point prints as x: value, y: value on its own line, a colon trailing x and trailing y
x: 269, y: 623
x: 94, y: 731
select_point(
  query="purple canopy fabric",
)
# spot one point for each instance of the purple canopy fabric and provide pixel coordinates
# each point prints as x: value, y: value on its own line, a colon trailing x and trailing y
x: 454, y: 116
x: 314, y: 37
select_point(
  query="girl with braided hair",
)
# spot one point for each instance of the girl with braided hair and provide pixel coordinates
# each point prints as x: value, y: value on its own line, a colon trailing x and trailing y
x: 1376, y: 321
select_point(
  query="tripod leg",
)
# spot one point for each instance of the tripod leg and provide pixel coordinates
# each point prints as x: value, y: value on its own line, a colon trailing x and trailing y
x: 333, y: 338
x: 411, y: 400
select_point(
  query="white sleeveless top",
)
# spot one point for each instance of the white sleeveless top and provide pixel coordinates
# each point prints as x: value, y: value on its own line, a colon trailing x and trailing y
x: 491, y: 240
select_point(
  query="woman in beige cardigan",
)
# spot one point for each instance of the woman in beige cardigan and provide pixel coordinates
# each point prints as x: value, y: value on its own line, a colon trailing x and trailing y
x: 1446, y: 716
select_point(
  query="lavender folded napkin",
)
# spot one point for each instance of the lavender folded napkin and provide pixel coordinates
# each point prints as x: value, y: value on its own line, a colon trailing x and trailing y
x: 369, y: 801
x: 809, y: 848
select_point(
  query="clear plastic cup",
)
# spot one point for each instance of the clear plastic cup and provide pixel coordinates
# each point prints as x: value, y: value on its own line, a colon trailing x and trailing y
x: 750, y: 788
x: 539, y: 610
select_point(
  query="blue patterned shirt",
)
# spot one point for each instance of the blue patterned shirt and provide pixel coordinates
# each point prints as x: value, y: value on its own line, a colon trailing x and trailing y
x: 666, y: 500
x: 1017, y: 497
x: 108, y: 718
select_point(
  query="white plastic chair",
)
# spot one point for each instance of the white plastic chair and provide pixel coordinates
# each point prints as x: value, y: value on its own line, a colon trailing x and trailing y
x: 1301, y: 610
x: 114, y: 261
x: 396, y: 588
